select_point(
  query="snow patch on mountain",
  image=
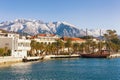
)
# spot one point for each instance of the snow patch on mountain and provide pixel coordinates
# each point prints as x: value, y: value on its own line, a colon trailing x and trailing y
x: 33, y: 27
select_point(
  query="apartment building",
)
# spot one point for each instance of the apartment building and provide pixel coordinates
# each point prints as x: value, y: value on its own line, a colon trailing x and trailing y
x: 18, y: 46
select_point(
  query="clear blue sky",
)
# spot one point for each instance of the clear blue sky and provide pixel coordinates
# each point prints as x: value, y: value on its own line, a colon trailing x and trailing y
x: 91, y: 14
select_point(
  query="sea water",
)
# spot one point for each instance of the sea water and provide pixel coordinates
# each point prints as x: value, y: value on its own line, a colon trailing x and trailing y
x: 64, y: 69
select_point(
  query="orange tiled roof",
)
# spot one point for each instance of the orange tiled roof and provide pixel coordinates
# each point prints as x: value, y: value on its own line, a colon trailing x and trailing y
x: 52, y: 34
x: 41, y: 35
x: 32, y: 37
x: 76, y: 39
x: 73, y: 39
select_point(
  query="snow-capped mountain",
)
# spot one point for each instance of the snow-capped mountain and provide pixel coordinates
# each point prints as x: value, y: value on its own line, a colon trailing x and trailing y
x: 33, y: 27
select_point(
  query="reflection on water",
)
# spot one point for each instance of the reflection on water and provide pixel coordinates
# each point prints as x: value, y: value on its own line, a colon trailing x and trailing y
x: 64, y: 69
x: 16, y: 71
x: 21, y: 68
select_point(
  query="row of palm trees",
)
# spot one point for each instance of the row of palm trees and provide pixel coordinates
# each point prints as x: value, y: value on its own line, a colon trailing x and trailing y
x: 59, y: 47
x: 40, y: 48
x: 110, y: 42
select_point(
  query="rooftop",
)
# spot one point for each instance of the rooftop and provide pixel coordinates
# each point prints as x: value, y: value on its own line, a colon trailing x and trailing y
x: 72, y: 39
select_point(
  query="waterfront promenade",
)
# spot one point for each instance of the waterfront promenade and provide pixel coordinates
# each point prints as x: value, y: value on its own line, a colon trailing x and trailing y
x: 116, y: 55
x: 9, y: 60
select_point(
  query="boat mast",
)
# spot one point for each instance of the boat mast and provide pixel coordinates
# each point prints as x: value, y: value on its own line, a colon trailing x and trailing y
x: 87, y: 37
x: 86, y: 33
x: 100, y: 41
x: 87, y: 49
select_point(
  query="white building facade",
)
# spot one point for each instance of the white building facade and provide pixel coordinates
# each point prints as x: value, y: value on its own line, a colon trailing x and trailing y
x: 19, y: 47
x: 46, y: 38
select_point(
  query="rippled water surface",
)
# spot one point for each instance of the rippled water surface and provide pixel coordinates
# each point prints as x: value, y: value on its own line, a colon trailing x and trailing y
x: 64, y: 69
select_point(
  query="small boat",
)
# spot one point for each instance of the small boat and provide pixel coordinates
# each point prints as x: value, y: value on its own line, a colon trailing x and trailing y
x: 101, y: 54
x: 29, y: 59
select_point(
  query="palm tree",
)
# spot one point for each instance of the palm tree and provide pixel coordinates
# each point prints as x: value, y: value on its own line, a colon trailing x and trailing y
x: 75, y: 47
x: 33, y: 44
x: 94, y: 46
x: 59, y: 45
x: 53, y: 48
x: 82, y: 47
x: 111, y: 34
x: 69, y: 45
x: 34, y: 47
x: 48, y: 49
x: 112, y: 38
x: 100, y: 45
x: 39, y: 48
x: 88, y: 43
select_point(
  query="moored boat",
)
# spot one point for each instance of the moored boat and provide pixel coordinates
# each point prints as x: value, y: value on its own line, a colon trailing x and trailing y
x: 101, y: 54
x: 28, y: 59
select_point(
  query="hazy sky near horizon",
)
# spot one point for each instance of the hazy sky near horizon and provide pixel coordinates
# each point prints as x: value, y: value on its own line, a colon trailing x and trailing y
x: 91, y: 14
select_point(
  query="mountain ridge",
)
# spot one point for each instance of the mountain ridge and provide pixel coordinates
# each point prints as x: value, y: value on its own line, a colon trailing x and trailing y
x: 34, y: 27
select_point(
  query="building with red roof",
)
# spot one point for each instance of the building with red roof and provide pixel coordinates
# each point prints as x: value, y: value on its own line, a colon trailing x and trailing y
x: 45, y: 38
x: 74, y: 40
